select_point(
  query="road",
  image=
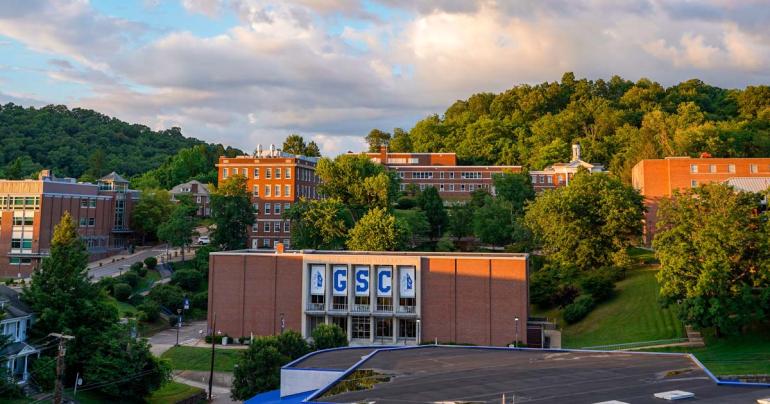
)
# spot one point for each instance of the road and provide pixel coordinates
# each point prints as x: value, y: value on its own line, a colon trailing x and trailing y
x: 188, y: 334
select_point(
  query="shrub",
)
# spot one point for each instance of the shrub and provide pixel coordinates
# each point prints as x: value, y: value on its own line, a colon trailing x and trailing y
x: 406, y: 203
x: 200, y: 301
x: 170, y: 296
x: 121, y: 291
x: 151, y: 262
x: 107, y: 283
x: 136, y: 266
x: 578, y: 309
x: 598, y: 284
x: 291, y: 344
x: 445, y: 244
x: 187, y: 279
x: 131, y: 278
x: 327, y: 336
x: 543, y: 287
x: 142, y: 272
x: 44, y: 371
x: 565, y: 295
x: 150, y: 311
x: 201, y: 261
x: 136, y: 299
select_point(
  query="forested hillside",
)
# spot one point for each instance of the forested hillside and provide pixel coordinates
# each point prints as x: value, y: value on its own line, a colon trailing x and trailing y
x: 84, y: 144
x: 617, y: 122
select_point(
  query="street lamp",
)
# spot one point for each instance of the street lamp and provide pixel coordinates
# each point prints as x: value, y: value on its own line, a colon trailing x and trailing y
x: 418, y: 331
x: 516, y: 340
x: 283, y: 323
x: 178, y: 324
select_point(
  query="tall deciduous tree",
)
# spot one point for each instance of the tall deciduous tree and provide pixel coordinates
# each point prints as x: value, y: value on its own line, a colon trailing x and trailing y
x: 178, y: 229
x: 461, y: 221
x: 377, y: 138
x: 232, y: 212
x: 378, y: 230
x: 319, y: 223
x: 590, y: 223
x: 153, y: 209
x: 295, y: 144
x: 713, y: 251
x: 430, y: 202
x: 515, y: 188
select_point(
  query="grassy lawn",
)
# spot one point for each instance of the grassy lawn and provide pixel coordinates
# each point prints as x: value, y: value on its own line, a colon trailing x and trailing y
x: 735, y: 355
x: 123, y: 308
x: 632, y: 315
x: 192, y: 358
x: 144, y: 283
x: 172, y: 392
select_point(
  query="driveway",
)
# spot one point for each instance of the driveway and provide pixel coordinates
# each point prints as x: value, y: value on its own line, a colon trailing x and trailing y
x: 189, y: 334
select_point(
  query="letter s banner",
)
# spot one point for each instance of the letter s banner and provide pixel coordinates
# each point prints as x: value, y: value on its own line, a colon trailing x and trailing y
x: 362, y: 281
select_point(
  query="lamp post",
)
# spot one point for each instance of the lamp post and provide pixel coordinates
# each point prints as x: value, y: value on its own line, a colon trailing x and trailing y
x: 283, y: 323
x: 418, y: 331
x: 516, y: 340
x: 178, y: 324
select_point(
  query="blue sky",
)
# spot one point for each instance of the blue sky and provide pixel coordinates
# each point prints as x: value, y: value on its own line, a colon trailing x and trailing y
x: 243, y: 72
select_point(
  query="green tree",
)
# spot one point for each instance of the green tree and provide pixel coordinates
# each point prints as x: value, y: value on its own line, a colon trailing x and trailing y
x: 401, y: 142
x: 152, y: 210
x: 430, y: 202
x: 96, y: 164
x: 377, y: 138
x: 461, y: 221
x: 516, y: 188
x: 291, y: 344
x: 187, y: 279
x: 493, y: 223
x: 378, y: 230
x: 294, y: 144
x: 178, y: 229
x: 319, y: 223
x: 259, y: 368
x: 312, y: 150
x: 232, y: 213
x: 587, y: 223
x: 327, y: 336
x: 712, y: 248
x: 415, y: 224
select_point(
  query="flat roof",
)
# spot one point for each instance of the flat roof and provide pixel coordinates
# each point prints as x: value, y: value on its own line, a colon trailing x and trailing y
x: 483, y: 374
x: 338, y: 359
x: 375, y: 253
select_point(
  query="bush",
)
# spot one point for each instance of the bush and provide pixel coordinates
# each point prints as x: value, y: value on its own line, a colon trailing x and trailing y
x: 142, y: 272
x: 445, y: 244
x: 565, y: 295
x: 327, y: 336
x: 44, y: 371
x: 544, y: 287
x: 136, y: 299
x: 121, y: 291
x: 578, y: 309
x: 149, y: 311
x: 188, y: 279
x: 201, y: 261
x: 200, y: 301
x: 405, y: 203
x: 169, y: 296
x: 151, y: 262
x: 599, y: 284
x: 107, y: 283
x: 292, y: 344
x: 131, y: 278
x: 136, y: 266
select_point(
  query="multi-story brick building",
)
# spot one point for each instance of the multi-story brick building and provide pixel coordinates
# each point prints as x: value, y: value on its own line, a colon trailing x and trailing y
x: 440, y: 170
x: 560, y: 174
x: 276, y: 180
x: 30, y: 209
x: 198, y: 193
x: 376, y: 297
x: 660, y: 178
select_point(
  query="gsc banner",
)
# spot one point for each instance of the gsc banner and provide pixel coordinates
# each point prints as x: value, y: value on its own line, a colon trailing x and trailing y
x: 384, y: 281
x: 406, y: 282
x: 340, y: 280
x: 317, y: 274
x: 362, y: 280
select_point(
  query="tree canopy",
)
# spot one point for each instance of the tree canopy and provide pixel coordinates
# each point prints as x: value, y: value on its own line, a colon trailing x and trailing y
x: 232, y: 212
x: 295, y: 144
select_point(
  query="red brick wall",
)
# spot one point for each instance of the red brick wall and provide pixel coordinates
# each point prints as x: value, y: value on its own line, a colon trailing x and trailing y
x: 438, y: 297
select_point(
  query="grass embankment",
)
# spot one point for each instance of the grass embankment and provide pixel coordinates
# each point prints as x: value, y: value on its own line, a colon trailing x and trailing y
x: 747, y: 354
x: 193, y: 358
x: 173, y: 392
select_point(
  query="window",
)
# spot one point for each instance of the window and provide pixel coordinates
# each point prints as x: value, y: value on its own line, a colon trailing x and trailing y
x: 84, y: 203
x: 422, y: 187
x: 693, y: 168
x: 384, y: 327
x: 277, y: 208
x: 731, y: 168
x: 288, y: 173
x: 451, y: 187
x: 361, y: 327
x: 712, y: 168
x: 278, y: 173
x: 266, y: 229
x: 255, y: 205
x: 441, y: 187
x: 277, y: 228
x: 256, y: 173
x: 255, y: 227
x: 452, y: 175
x: 19, y: 261
x: 471, y: 187
x: 256, y: 190
x: 266, y: 242
x: 407, y: 328
x: 402, y: 187
x: 401, y: 175
x: 422, y: 175
x: 287, y: 190
x: 267, y: 208
x: 22, y: 220
x: 339, y: 302
x: 753, y: 168
x: 286, y: 227
x: 471, y: 175
x: 384, y: 304
x: 245, y: 172
x: 414, y: 160
x: 277, y: 191
x: 224, y: 173
x: 549, y: 179
x: 341, y: 322
x: 693, y: 184
x: 235, y: 171
x: 268, y: 173
x: 314, y: 322
x: 286, y: 242
x: 441, y: 175
x: 267, y: 190
x: 24, y: 243
x: 462, y: 187
x: 286, y: 206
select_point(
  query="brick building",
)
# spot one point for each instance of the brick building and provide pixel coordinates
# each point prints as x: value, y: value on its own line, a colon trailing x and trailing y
x: 376, y: 297
x: 199, y: 194
x: 30, y: 209
x: 440, y: 170
x: 560, y: 174
x: 276, y: 180
x: 660, y: 178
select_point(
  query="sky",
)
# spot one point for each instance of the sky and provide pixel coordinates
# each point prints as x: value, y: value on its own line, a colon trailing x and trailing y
x: 248, y: 72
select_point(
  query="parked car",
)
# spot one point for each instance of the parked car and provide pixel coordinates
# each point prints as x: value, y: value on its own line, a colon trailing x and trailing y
x: 204, y: 240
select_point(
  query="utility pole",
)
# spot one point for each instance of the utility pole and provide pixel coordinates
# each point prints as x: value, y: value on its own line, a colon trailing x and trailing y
x: 213, y: 343
x: 57, y: 396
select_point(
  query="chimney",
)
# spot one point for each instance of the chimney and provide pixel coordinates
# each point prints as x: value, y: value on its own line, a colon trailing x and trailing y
x: 272, y: 150
x: 279, y: 248
x: 576, y: 152
x: 259, y: 150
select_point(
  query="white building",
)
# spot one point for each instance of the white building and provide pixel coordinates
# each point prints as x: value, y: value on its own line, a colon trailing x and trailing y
x: 16, y: 320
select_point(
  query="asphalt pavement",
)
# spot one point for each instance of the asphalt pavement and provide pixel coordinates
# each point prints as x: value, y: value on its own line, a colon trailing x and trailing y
x: 188, y: 335
x: 113, y: 268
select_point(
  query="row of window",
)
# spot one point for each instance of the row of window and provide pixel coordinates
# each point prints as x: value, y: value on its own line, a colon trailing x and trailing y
x: 22, y: 220
x: 450, y: 187
x: 276, y: 193
x: 19, y: 202
x: 19, y: 261
x: 21, y: 243
x: 266, y: 242
x: 269, y: 208
x: 427, y: 175
x: 275, y: 226
x: 87, y: 222
x: 712, y: 168
x: 270, y: 173
x: 361, y: 326
x: 88, y: 203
